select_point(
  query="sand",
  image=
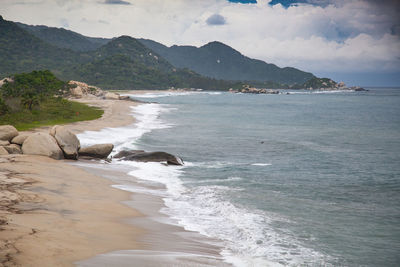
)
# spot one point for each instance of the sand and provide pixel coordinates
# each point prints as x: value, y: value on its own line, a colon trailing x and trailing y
x: 53, y: 213
x: 65, y: 213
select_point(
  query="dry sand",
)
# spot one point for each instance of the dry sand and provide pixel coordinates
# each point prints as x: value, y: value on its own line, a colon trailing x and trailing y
x: 53, y: 214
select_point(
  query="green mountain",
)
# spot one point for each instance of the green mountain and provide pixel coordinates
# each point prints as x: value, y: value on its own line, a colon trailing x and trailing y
x: 220, y: 61
x: 122, y: 63
x: 21, y: 51
x: 64, y: 38
x: 128, y: 63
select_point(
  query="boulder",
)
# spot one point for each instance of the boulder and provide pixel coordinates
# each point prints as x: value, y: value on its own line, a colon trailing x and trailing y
x: 4, y: 143
x: 111, y: 96
x: 67, y: 141
x: 13, y: 149
x: 42, y: 144
x: 3, y: 151
x: 7, y: 132
x: 19, y: 139
x: 97, y: 151
x: 150, y: 157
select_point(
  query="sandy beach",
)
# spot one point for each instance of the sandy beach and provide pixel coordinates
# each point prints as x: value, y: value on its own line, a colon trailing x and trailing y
x: 53, y: 213
x: 65, y: 213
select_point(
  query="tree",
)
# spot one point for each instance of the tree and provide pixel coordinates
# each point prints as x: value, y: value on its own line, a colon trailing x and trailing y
x: 29, y: 100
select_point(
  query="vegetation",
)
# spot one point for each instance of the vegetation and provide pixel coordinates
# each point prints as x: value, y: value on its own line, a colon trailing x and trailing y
x: 35, y: 99
x: 316, y: 83
x: 219, y: 61
x: 128, y: 63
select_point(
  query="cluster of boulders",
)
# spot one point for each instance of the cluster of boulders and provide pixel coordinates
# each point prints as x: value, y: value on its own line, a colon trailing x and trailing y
x: 59, y: 143
x: 253, y: 90
x: 81, y: 90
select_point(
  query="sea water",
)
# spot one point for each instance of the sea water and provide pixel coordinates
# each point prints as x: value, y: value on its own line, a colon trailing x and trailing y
x: 306, y: 178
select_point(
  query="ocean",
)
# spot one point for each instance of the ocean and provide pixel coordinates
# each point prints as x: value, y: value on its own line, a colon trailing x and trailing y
x: 299, y: 179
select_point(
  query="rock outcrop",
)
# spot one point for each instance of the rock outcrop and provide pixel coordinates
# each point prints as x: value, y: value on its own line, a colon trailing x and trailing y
x: 42, y: 144
x: 7, y: 132
x: 142, y: 156
x: 80, y: 89
x: 100, y: 151
x: 67, y: 141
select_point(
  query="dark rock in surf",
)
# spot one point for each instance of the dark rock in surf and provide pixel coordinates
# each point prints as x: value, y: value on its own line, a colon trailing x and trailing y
x: 142, y: 156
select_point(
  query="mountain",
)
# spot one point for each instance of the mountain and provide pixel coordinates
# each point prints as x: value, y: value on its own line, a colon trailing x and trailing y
x: 64, y: 38
x: 128, y: 63
x: 121, y: 63
x: 220, y: 61
x: 21, y: 51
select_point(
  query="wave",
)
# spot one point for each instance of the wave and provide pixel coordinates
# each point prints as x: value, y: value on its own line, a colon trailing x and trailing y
x: 261, y: 164
x: 169, y: 94
x: 318, y: 92
x: 248, y: 236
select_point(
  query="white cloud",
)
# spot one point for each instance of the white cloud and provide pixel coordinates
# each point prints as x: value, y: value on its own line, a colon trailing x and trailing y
x: 341, y: 36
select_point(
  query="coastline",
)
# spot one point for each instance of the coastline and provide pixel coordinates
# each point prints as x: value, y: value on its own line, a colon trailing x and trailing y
x: 46, y: 211
x: 81, y: 219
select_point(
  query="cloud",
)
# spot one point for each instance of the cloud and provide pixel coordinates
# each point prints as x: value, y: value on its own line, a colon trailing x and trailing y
x: 244, y: 1
x: 216, y: 19
x: 332, y: 36
x: 116, y: 2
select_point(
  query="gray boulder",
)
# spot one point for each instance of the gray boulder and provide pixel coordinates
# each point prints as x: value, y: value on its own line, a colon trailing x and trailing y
x: 7, y: 132
x: 150, y: 157
x: 42, y: 144
x: 67, y: 141
x: 13, y: 149
x: 3, y: 151
x: 19, y: 139
x: 100, y: 151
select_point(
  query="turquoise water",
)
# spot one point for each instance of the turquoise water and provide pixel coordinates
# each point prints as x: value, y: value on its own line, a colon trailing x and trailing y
x: 304, y: 178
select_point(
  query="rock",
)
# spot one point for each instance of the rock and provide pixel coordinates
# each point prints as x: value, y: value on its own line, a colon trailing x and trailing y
x: 67, y: 141
x: 97, y: 151
x: 10, y: 80
x: 19, y: 139
x: 7, y: 132
x: 111, y: 96
x: 4, y: 143
x: 153, y: 157
x: 3, y: 151
x: 124, y: 97
x: 42, y: 144
x: 81, y: 89
x: 76, y: 92
x: 13, y: 149
x: 126, y: 153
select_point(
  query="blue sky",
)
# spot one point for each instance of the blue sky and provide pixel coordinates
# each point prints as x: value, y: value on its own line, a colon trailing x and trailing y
x: 357, y: 41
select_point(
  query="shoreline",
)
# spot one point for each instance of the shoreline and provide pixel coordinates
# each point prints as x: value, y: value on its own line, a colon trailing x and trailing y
x: 72, y: 217
x: 131, y: 226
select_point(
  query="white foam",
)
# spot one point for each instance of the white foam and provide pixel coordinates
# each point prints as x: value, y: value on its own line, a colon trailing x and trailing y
x: 261, y: 164
x: 248, y: 236
x: 147, y: 117
x: 170, y: 94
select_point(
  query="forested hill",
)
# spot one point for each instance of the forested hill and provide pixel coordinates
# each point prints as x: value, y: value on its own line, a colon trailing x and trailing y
x: 122, y: 63
x: 220, y: 61
x: 215, y: 59
x: 129, y: 63
x: 64, y: 38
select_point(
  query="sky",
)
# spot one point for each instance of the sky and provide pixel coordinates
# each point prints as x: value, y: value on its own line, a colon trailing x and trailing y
x: 355, y: 41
